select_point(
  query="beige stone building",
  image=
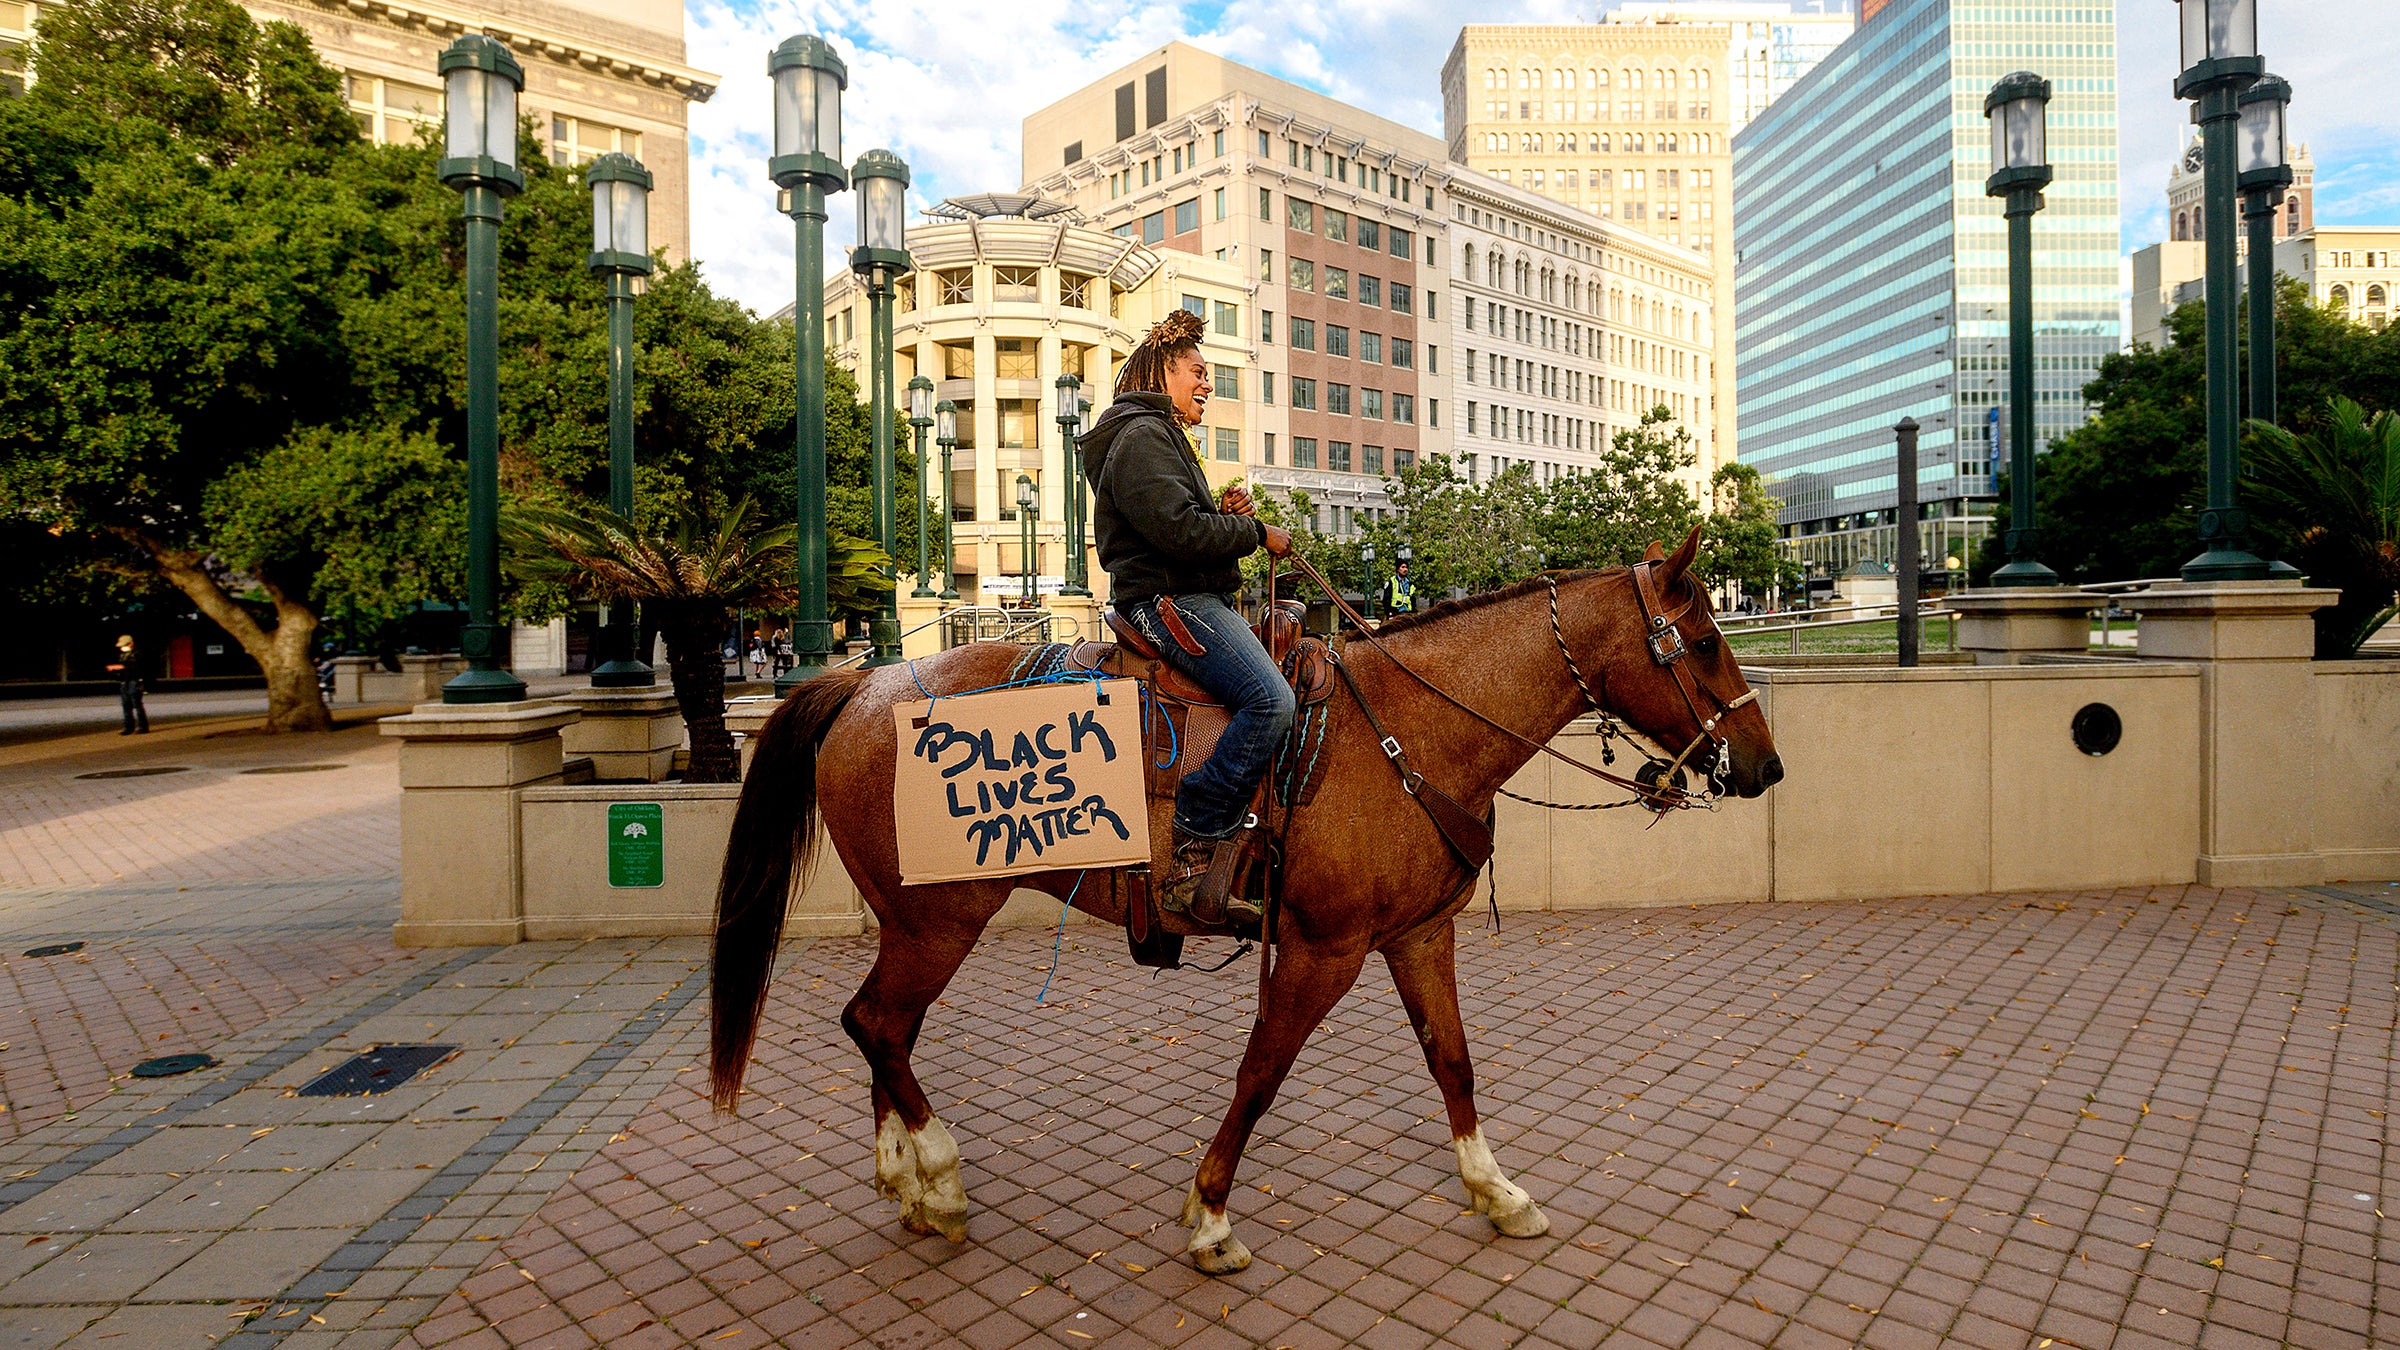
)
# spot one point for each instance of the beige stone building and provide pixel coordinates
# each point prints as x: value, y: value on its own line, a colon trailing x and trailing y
x: 1334, y: 221
x: 1627, y: 121
x: 600, y: 75
x: 1010, y: 292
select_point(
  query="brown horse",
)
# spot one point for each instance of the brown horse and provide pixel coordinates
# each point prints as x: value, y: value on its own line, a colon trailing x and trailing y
x: 1366, y: 870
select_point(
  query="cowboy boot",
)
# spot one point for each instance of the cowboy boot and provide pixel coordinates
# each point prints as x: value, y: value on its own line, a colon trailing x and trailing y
x: 1200, y: 881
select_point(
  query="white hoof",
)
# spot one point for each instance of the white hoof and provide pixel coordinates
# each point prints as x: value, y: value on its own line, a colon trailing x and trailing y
x: 1493, y: 1195
x: 1213, y: 1248
x: 919, y: 1168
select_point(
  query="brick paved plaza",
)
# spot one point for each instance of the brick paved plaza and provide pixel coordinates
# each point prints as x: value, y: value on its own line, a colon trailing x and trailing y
x: 2119, y: 1119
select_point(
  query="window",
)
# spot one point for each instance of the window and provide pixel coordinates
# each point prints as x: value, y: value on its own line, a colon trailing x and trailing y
x: 1229, y: 441
x: 1075, y: 290
x: 1266, y: 264
x: 1370, y: 403
x: 573, y: 140
x: 1220, y: 197
x: 1021, y: 284
x: 1304, y: 452
x: 1337, y: 456
x: 1370, y: 347
x: 388, y: 111
x: 1400, y: 298
x: 1470, y: 361
x: 1368, y: 234
x: 1266, y: 326
x: 1304, y: 275
x: 1403, y: 354
x: 1266, y: 391
x: 1125, y: 110
x: 1337, y: 399
x: 1404, y: 407
x: 1370, y: 459
x: 1433, y: 412
x: 1020, y: 423
x: 1195, y: 305
x: 1304, y: 335
x: 1300, y: 215
x: 1016, y: 359
x: 1337, y: 340
x: 1337, y: 284
x: 1337, y: 226
x: 1229, y: 319
x: 1070, y: 359
x: 1154, y: 227
x: 1266, y: 204
x: 1219, y: 147
x: 1187, y: 216
x: 958, y: 363
x: 957, y: 286
x: 1304, y: 393
x: 1227, y: 381
x: 1266, y: 441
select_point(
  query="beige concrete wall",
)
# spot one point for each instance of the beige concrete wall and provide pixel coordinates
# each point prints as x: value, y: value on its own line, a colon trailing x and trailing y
x: 2358, y: 780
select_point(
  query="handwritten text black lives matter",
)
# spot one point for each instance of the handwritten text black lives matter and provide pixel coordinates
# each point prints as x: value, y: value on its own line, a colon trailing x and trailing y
x: 1023, y: 798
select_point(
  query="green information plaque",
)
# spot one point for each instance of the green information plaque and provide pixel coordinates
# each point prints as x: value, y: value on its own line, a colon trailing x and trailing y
x: 637, y: 846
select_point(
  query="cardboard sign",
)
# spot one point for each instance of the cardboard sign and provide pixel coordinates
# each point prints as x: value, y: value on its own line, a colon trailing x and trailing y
x: 637, y: 844
x: 1019, y: 781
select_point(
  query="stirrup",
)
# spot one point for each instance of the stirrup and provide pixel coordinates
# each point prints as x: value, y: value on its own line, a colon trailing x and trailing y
x: 1201, y: 887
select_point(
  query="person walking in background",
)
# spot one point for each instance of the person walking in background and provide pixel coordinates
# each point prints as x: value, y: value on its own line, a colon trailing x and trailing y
x: 1399, y: 594
x: 128, y: 669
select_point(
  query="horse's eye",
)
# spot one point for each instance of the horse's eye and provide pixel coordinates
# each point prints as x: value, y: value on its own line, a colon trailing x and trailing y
x: 1706, y: 646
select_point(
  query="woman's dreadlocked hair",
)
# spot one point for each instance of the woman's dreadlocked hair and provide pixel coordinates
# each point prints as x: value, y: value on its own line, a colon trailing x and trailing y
x: 1145, y: 372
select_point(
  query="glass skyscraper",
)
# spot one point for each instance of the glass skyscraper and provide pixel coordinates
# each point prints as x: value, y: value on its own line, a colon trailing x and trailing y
x: 1871, y: 272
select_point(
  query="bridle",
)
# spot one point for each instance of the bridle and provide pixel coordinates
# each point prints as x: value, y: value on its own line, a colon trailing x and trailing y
x: 1664, y: 638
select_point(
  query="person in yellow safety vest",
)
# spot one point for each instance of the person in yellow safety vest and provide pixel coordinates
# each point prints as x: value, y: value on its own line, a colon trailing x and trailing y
x: 1399, y: 594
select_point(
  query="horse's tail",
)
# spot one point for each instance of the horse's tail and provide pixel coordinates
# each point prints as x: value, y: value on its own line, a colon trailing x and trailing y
x: 774, y: 837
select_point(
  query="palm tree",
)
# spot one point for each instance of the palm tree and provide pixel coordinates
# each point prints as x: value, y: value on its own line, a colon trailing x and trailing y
x: 689, y: 573
x: 2333, y: 497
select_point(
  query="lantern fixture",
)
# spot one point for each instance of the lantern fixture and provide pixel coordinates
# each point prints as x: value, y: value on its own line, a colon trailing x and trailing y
x: 1083, y: 418
x: 480, y: 84
x: 881, y: 179
x: 920, y: 401
x: 2018, y: 107
x: 809, y: 80
x: 1027, y: 498
x: 1069, y: 394
x: 2264, y: 160
x: 2220, y: 44
x: 945, y: 421
x: 620, y: 214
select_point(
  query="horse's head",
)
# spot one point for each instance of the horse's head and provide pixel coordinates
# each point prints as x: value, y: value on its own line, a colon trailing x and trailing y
x: 1681, y: 687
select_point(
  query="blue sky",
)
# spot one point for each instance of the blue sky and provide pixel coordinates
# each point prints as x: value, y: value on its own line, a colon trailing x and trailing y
x: 946, y: 82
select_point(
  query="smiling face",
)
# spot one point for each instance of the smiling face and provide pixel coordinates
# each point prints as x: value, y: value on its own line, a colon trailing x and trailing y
x: 1188, y: 385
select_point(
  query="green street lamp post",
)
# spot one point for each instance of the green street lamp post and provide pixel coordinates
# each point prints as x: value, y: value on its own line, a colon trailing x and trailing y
x: 480, y: 83
x: 945, y: 433
x: 2018, y: 107
x: 620, y: 252
x: 2220, y: 59
x: 2265, y: 172
x: 1366, y: 562
x: 920, y: 416
x: 807, y: 164
x: 1070, y: 428
x: 880, y: 259
x: 1029, y: 507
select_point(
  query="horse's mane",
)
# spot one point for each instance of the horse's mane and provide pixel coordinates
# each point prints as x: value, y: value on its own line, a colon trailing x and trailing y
x: 1448, y: 608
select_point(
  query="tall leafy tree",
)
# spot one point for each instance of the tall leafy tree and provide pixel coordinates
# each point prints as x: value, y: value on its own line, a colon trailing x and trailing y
x: 1606, y: 515
x: 1738, y: 541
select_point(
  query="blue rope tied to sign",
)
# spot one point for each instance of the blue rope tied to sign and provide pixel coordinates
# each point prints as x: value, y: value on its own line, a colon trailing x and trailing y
x: 1059, y: 940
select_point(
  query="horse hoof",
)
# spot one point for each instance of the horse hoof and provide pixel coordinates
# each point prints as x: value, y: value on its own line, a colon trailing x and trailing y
x: 1528, y: 1222
x: 1193, y: 1209
x: 953, y: 1224
x: 1225, y: 1256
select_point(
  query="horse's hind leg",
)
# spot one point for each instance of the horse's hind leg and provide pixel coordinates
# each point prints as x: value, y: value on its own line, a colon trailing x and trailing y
x: 916, y: 1160
x: 1425, y: 969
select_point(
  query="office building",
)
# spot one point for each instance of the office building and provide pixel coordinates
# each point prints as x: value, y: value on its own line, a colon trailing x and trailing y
x: 600, y: 75
x: 1568, y: 329
x: 1871, y: 271
x: 1010, y: 292
x: 1336, y: 221
x: 1769, y: 43
x: 1626, y: 121
x: 2346, y: 268
x: 2168, y: 273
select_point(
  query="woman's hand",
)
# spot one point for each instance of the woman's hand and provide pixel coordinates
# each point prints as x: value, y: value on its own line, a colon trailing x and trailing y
x: 1235, y: 502
x: 1279, y: 541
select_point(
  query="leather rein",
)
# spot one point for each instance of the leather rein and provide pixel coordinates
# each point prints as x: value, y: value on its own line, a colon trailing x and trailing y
x: 1658, y: 788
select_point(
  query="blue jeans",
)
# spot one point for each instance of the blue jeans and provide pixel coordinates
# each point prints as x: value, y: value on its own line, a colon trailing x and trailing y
x: 1216, y: 795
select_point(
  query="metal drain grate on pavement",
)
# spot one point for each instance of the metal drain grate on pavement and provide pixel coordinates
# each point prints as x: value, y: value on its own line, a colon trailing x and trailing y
x: 377, y: 1071
x: 296, y: 768
x: 151, y: 772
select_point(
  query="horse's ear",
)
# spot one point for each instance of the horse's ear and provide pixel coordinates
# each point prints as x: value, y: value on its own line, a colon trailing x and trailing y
x: 1676, y: 563
x: 1654, y: 553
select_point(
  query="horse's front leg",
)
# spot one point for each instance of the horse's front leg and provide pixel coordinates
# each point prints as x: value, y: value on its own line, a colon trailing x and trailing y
x: 1307, y: 982
x: 1424, y: 966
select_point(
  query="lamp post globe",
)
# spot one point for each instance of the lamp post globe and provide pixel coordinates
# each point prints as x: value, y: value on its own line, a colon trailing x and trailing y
x: 805, y: 161
x: 945, y: 433
x: 881, y: 180
x: 1070, y: 435
x: 2220, y: 60
x: 480, y: 84
x: 2265, y: 171
x: 920, y: 417
x: 620, y: 189
x: 2018, y: 107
